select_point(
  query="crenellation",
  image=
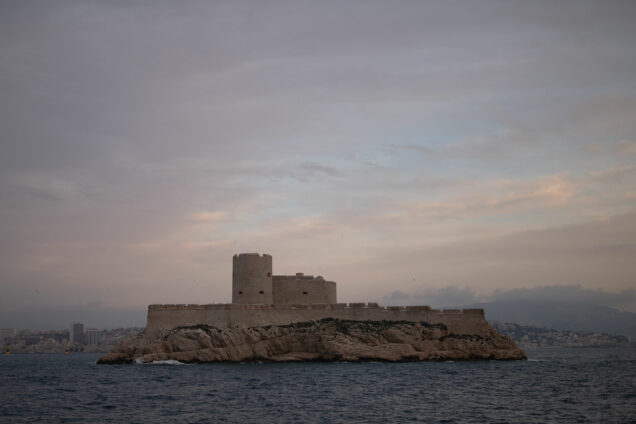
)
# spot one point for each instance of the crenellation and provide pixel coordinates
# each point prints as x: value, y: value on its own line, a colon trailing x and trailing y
x: 418, y: 308
x: 478, y: 311
x: 356, y: 305
x: 395, y: 308
x: 251, y: 254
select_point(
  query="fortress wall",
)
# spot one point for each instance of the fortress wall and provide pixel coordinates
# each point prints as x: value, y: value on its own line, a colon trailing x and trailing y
x: 165, y: 317
x: 303, y: 289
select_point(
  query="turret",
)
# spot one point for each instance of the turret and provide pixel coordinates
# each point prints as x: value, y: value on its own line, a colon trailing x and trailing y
x: 252, y: 279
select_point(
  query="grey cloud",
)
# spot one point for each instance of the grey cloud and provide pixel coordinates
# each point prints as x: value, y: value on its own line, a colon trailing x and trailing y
x: 569, y: 293
x: 51, y: 188
x: 438, y: 298
x: 627, y: 147
x: 311, y: 169
x: 119, y: 121
x: 614, y: 175
x: 493, y: 146
x: 576, y: 255
x: 416, y: 147
x: 452, y: 296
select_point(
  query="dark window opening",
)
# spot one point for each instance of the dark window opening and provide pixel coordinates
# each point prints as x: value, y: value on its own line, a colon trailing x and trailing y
x: 261, y: 292
x: 304, y: 292
x: 240, y: 292
x: 269, y: 274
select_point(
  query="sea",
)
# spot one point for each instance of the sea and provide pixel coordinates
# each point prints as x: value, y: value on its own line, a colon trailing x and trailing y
x: 555, y: 385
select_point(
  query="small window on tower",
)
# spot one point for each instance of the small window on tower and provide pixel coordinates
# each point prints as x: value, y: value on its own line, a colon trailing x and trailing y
x: 261, y: 292
x: 304, y: 292
x: 240, y: 292
x: 269, y: 274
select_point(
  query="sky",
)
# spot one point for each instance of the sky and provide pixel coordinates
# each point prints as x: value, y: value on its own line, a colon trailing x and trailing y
x: 403, y: 146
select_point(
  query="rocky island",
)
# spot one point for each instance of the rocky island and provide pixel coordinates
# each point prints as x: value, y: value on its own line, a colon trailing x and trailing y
x: 325, y: 340
x: 297, y: 318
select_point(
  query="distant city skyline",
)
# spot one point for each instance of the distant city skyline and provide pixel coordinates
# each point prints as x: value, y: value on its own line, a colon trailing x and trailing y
x: 440, y: 150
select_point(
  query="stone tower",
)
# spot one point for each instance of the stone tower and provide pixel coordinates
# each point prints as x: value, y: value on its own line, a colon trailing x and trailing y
x: 252, y: 279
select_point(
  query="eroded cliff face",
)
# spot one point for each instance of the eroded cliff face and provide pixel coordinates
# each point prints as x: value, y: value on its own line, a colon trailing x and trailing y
x: 324, y: 340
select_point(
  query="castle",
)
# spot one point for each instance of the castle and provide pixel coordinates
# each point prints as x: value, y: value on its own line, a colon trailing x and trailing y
x: 260, y: 298
x: 253, y: 283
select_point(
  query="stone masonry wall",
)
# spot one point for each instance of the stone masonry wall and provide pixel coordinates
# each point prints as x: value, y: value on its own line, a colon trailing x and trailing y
x: 252, y: 279
x: 303, y: 289
x: 166, y: 317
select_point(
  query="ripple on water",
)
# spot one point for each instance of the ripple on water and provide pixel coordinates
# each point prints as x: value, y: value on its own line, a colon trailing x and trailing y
x: 554, y: 385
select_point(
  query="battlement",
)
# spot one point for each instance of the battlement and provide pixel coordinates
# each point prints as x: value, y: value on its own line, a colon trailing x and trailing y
x: 418, y: 308
x: 321, y: 306
x: 162, y: 318
x: 264, y: 255
x: 298, y: 276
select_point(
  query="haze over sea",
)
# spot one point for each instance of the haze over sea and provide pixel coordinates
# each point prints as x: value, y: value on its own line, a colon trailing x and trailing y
x: 555, y: 385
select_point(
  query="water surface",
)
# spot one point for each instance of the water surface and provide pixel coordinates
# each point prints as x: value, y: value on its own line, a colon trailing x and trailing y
x: 554, y: 385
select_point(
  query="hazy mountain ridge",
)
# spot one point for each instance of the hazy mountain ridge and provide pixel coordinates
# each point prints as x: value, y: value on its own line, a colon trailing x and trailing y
x: 561, y: 316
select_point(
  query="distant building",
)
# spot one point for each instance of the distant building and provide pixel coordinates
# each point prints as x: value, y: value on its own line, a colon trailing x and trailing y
x: 77, y: 333
x: 92, y: 336
x: 5, y: 333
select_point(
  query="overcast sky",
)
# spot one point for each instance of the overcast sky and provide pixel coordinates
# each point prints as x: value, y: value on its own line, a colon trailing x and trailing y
x: 389, y: 146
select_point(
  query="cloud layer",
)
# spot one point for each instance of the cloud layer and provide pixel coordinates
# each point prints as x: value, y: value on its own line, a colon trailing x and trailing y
x: 453, y: 296
x: 409, y: 145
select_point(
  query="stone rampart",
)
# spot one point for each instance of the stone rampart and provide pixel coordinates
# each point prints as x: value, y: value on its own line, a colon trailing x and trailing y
x: 166, y: 317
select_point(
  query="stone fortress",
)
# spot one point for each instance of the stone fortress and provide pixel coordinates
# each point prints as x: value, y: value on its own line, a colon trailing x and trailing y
x: 253, y: 284
x: 260, y: 298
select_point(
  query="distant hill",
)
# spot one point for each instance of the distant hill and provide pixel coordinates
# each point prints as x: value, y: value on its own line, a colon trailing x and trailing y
x: 562, y: 316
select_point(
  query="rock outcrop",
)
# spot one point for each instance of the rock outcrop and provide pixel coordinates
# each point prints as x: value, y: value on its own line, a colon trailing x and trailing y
x: 324, y: 340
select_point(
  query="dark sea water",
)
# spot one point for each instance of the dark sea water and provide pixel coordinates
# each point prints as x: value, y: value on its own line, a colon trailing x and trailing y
x: 555, y: 385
